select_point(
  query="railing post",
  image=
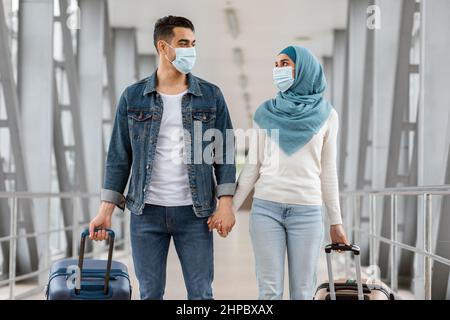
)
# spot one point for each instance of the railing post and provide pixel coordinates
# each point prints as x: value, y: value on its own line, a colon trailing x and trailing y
x: 12, y: 249
x: 48, y: 255
x: 372, y: 228
x: 347, y: 221
x: 394, y: 237
x: 427, y: 244
x: 75, y: 223
x: 356, y: 219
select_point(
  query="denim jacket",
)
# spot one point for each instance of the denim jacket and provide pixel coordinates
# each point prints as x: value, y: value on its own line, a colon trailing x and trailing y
x: 135, y: 134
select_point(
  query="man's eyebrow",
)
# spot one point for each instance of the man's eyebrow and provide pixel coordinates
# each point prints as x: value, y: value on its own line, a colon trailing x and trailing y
x: 183, y: 40
x: 283, y: 60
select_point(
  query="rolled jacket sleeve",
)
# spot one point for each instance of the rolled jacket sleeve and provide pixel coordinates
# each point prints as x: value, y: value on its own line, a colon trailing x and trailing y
x: 118, y: 159
x: 224, y: 164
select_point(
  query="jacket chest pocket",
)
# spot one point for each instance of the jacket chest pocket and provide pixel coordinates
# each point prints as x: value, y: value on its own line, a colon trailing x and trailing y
x: 203, y: 146
x: 205, y: 118
x: 139, y: 123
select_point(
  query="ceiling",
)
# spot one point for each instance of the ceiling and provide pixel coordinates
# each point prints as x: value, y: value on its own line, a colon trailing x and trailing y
x: 265, y: 27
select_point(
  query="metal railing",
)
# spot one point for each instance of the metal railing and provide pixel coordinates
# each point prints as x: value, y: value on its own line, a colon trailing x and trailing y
x: 424, y: 221
x: 76, y: 228
x: 424, y: 248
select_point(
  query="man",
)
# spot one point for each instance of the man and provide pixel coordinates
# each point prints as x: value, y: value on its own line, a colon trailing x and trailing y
x: 158, y: 134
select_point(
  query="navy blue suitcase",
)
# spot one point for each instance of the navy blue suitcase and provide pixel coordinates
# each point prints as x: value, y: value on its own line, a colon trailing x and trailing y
x: 100, y: 279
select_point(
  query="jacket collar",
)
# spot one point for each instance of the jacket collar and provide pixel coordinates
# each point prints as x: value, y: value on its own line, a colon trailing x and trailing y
x: 193, y: 86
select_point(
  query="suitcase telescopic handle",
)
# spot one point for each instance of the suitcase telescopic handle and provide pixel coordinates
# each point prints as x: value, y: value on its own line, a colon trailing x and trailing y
x: 356, y: 253
x: 342, y: 247
x: 84, y: 235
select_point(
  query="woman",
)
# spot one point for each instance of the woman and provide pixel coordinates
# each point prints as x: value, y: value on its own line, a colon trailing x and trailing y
x: 294, y: 172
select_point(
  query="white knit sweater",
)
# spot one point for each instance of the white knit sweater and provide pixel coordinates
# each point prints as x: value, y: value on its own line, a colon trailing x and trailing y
x: 307, y: 177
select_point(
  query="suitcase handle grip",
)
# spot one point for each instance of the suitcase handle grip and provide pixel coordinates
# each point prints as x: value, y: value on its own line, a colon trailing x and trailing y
x: 84, y: 235
x: 85, y: 232
x: 342, y: 247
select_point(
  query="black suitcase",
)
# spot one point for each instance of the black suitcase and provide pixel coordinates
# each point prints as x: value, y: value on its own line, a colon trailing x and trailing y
x: 100, y: 279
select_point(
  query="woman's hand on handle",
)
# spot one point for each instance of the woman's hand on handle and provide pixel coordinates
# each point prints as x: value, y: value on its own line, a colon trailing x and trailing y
x: 337, y: 234
x: 102, y: 221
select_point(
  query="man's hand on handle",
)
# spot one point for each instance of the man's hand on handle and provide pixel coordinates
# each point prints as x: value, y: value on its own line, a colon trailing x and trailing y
x: 102, y: 221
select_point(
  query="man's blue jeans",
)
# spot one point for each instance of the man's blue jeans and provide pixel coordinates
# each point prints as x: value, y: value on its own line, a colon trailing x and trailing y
x: 150, y: 238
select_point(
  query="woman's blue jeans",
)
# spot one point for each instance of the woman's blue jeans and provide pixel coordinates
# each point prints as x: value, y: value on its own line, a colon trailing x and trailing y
x: 277, y: 228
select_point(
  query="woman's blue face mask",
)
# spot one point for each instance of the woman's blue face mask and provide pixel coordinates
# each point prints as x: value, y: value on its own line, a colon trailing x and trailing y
x: 282, y: 78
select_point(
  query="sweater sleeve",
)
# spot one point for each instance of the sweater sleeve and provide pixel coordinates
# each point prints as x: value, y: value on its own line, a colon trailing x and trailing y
x: 250, y: 171
x: 329, y: 177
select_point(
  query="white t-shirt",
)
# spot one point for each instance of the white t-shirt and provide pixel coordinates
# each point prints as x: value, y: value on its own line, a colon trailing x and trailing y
x: 169, y: 183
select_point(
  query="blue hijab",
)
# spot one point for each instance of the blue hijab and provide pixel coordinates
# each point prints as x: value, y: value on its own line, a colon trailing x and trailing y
x: 300, y: 111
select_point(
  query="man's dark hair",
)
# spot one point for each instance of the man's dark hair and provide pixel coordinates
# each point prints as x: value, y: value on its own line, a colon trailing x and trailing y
x: 164, y: 28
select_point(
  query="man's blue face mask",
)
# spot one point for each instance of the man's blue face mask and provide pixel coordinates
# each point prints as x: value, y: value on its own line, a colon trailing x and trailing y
x: 184, y: 59
x: 282, y: 78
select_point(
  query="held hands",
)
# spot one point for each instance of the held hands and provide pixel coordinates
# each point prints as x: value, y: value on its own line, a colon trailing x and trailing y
x: 223, y: 218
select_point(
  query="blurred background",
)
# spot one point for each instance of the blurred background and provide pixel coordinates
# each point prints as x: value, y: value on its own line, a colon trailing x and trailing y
x: 64, y: 63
